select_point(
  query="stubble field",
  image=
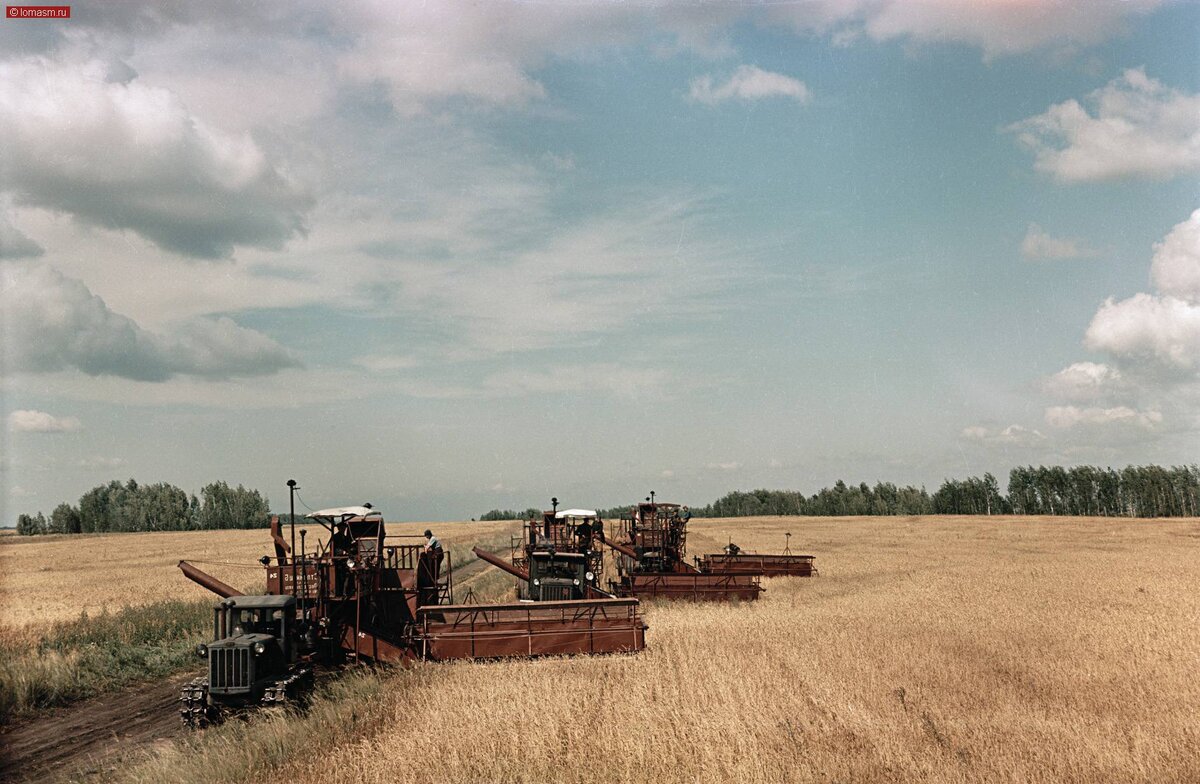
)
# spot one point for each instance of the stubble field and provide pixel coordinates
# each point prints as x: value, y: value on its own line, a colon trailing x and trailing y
x: 929, y: 649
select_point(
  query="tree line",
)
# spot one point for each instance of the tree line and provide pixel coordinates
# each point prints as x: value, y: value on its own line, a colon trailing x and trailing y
x: 1134, y: 491
x: 129, y: 506
x: 511, y: 514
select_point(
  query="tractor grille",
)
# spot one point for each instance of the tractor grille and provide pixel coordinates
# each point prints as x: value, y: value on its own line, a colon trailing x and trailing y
x: 229, y: 668
x: 556, y: 593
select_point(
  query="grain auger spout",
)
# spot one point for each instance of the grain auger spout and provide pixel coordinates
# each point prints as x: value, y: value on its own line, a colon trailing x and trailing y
x: 500, y: 563
x: 206, y: 580
x: 624, y: 550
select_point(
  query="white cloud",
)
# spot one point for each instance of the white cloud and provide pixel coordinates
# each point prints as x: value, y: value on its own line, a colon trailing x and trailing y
x: 667, y: 474
x: 124, y: 155
x: 30, y: 421
x: 52, y: 322
x: 386, y: 363
x: 728, y: 466
x: 1140, y: 128
x: 1146, y: 329
x: 998, y: 27
x: 1040, y: 245
x: 1013, y: 435
x: 748, y: 83
x: 621, y: 380
x: 100, y: 463
x: 1176, y: 265
x: 13, y: 243
x: 1084, y: 381
x: 1063, y: 417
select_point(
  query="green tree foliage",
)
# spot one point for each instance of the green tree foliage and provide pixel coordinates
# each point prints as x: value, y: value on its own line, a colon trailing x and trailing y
x: 510, y: 514
x: 129, y: 506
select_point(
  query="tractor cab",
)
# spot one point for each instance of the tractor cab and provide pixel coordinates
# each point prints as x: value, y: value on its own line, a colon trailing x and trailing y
x: 562, y: 555
x: 559, y: 576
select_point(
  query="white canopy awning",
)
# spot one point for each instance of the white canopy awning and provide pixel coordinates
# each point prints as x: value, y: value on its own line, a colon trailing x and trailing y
x: 345, y: 511
x: 576, y: 513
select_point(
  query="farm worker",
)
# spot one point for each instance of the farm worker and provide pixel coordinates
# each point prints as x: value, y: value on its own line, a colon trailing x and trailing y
x: 433, y: 546
x: 583, y: 535
x: 685, y: 514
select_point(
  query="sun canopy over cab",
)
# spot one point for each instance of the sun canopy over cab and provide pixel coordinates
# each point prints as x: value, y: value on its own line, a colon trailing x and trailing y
x: 565, y: 513
x: 341, y: 512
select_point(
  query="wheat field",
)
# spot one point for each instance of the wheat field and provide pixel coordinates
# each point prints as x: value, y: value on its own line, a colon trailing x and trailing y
x: 930, y: 649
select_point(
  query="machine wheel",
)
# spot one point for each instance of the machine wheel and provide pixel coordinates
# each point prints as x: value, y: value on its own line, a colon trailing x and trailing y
x: 292, y: 690
x: 194, y: 709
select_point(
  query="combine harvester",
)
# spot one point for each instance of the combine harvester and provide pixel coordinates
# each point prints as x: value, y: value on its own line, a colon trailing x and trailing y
x: 651, y: 544
x: 361, y: 596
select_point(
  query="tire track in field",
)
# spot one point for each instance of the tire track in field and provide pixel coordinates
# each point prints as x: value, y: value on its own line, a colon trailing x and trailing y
x: 84, y: 738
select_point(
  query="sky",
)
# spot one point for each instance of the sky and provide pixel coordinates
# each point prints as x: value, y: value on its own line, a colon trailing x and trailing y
x: 450, y: 257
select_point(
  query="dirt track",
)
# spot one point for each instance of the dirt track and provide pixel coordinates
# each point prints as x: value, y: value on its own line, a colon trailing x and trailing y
x: 85, y: 737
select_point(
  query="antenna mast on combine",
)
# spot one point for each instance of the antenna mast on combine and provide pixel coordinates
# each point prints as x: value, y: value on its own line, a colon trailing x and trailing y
x: 291, y: 483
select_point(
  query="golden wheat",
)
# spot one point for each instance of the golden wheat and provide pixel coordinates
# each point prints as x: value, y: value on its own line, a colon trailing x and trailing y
x: 934, y: 649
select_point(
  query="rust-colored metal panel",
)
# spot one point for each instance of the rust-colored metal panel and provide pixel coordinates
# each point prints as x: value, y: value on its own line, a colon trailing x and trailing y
x: 531, y: 629
x: 206, y: 580
x: 372, y: 647
x: 766, y: 565
x: 692, y: 587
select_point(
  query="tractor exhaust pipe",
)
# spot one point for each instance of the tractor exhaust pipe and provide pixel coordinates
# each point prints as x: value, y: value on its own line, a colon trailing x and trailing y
x: 206, y: 580
x: 500, y: 563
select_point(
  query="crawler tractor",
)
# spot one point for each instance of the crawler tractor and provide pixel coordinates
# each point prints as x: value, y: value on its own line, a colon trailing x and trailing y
x: 257, y: 657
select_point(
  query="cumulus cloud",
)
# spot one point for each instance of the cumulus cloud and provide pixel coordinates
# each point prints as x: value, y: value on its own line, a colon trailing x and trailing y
x: 748, y: 83
x: 1152, y: 377
x: 13, y: 243
x: 1084, y: 381
x: 1158, y: 330
x: 1137, y: 127
x: 1039, y: 245
x: 125, y: 155
x: 1013, y: 435
x: 1176, y: 265
x: 30, y: 421
x: 52, y: 322
x: 1163, y: 331
x: 1063, y: 417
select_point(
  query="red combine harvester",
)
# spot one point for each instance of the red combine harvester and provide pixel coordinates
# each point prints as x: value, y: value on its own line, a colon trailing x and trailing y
x: 558, y: 557
x: 361, y: 595
x: 735, y: 560
x: 650, y: 546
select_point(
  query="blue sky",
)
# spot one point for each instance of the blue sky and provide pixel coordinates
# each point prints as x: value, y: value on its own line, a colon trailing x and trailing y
x: 455, y: 258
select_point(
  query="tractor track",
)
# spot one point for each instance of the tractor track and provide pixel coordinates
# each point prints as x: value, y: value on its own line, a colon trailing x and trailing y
x: 86, y: 739
x: 83, y: 738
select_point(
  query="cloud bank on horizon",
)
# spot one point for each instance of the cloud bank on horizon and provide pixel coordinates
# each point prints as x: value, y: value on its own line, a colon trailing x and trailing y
x: 766, y: 243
